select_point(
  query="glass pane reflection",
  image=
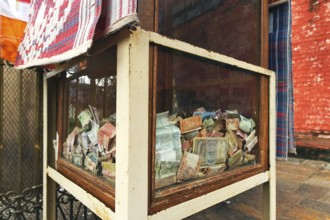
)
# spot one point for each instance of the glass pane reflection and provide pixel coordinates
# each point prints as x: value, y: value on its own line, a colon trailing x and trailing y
x: 229, y: 27
x: 206, y: 120
x: 90, y: 115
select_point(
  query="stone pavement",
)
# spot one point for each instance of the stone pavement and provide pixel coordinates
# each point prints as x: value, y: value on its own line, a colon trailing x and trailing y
x: 303, y: 192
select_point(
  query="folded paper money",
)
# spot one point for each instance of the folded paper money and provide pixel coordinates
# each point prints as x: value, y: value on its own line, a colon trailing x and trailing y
x: 252, y: 143
x: 236, y: 159
x: 84, y: 117
x: 211, y: 150
x: 163, y: 120
x: 166, y: 155
x: 208, y: 124
x: 204, y: 115
x: 91, y: 162
x: 105, y: 135
x: 190, y: 124
x: 77, y: 159
x: 187, y: 145
x: 168, y: 137
x: 246, y: 125
x: 108, y: 169
x: 189, y: 166
x: 166, y: 168
x: 234, y: 143
x: 93, y: 133
x: 166, y: 181
x: 95, y: 114
x: 190, y: 135
x: 232, y: 123
x: 71, y: 140
x: 214, y: 169
x: 249, y: 138
x: 67, y: 151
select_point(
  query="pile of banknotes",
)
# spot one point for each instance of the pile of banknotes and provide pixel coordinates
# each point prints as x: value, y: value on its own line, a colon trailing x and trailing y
x: 205, y: 143
x: 92, y: 144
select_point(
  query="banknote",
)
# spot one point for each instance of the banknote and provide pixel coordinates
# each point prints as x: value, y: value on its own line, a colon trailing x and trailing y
x: 252, y: 143
x: 232, y: 123
x: 236, y: 159
x: 108, y: 169
x: 190, y: 124
x: 168, y: 137
x: 166, y: 168
x: 234, y: 143
x: 212, y: 150
x: 77, y: 159
x: 93, y: 133
x: 189, y: 166
x: 249, y: 138
x: 84, y: 117
x: 95, y: 114
x: 166, y: 181
x: 246, y: 125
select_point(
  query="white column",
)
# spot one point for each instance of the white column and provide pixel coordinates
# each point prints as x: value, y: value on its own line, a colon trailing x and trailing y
x: 132, y: 127
x: 269, y: 189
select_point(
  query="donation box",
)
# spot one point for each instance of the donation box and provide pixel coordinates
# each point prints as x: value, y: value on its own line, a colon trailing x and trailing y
x: 164, y: 119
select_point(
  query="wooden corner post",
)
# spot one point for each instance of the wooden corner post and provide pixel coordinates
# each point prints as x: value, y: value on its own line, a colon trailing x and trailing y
x: 132, y: 127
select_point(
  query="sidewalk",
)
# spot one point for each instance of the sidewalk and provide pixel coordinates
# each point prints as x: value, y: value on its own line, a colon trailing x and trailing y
x: 303, y: 192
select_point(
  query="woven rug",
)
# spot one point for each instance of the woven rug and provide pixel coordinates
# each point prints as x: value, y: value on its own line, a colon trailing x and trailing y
x: 115, y: 15
x: 60, y: 30
x: 280, y: 61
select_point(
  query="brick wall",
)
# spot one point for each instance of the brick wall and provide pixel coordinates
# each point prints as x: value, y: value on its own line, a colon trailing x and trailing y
x: 311, y: 65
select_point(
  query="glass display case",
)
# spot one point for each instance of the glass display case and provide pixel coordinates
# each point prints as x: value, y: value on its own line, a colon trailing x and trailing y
x: 206, y: 123
x: 151, y: 127
x: 87, y: 123
x: 197, y: 123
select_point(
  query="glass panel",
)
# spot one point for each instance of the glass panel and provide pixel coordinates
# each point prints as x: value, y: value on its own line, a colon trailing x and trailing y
x: 90, y: 133
x: 229, y: 27
x: 206, y: 120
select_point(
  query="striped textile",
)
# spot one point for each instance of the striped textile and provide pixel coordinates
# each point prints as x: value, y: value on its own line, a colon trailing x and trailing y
x: 60, y: 30
x: 115, y: 14
x: 281, y: 62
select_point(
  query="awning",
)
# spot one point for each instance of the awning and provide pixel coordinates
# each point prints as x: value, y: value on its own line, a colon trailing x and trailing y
x: 13, y: 18
x: 59, y: 30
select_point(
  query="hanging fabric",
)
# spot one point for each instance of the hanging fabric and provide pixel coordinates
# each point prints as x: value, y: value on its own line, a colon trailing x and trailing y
x: 13, y: 18
x: 280, y: 61
x: 60, y: 30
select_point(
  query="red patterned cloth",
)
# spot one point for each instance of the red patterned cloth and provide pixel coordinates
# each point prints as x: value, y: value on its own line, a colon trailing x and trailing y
x: 59, y: 30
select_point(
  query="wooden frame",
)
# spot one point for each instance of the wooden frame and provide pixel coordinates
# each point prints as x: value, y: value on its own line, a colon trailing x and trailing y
x: 136, y: 198
x: 160, y: 200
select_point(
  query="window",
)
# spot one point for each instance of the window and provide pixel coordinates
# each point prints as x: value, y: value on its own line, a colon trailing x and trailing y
x: 209, y: 126
x: 88, y: 121
x: 228, y: 27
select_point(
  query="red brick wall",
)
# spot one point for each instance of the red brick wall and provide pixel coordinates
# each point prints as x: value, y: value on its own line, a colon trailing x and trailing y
x: 311, y: 65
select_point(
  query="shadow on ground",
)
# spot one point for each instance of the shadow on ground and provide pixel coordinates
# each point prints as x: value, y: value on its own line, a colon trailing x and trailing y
x: 303, y: 192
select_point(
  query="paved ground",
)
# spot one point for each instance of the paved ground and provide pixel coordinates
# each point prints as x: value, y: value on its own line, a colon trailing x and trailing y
x: 303, y: 192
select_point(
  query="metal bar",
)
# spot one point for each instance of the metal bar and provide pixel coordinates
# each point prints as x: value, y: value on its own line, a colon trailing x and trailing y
x: 1, y: 117
x: 38, y: 128
x: 71, y: 209
x: 85, y: 212
x: 77, y: 213
x: 20, y: 127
